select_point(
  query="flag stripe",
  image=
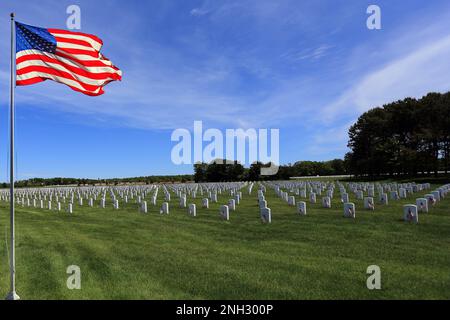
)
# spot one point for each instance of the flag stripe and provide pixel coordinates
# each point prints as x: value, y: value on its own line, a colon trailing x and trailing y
x: 69, y: 45
x: 33, y: 76
x: 79, y: 51
x: 73, y: 87
x: 96, y: 45
x: 87, y: 84
x: 82, y: 75
x: 52, y: 58
x: 84, y: 59
x: 79, y: 42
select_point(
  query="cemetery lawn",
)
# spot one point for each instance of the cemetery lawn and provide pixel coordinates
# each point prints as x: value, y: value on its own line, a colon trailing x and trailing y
x: 124, y: 254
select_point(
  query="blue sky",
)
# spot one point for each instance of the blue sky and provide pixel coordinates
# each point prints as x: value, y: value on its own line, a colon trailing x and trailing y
x: 308, y: 68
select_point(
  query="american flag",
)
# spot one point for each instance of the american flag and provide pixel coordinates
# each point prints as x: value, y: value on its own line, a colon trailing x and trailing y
x: 71, y: 58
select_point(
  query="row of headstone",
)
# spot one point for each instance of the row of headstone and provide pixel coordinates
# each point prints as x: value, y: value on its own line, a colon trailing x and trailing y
x: 411, y: 211
x: 369, y: 204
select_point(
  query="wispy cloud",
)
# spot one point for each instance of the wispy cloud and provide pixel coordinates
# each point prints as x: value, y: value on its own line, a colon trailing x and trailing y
x: 425, y: 69
x: 295, y: 55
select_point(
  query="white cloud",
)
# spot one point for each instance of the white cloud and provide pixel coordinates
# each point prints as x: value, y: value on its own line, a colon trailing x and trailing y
x: 295, y: 55
x: 424, y: 70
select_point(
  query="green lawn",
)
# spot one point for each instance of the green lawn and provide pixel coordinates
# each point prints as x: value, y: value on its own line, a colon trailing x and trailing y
x: 127, y: 255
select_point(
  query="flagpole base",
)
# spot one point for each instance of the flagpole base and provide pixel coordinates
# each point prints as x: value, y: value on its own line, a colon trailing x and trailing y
x: 12, y: 296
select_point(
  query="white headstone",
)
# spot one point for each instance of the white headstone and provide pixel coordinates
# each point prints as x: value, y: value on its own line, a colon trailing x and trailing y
x: 422, y: 205
x: 164, y: 208
x: 384, y: 199
x: 394, y: 195
x: 232, y: 204
x: 291, y: 201
x: 143, y: 206
x: 410, y: 213
x: 183, y: 202
x: 192, y: 210
x: 349, y: 210
x: 301, y: 208
x: 369, y: 203
x: 326, y: 202
x: 431, y: 199
x: 224, y: 212
x: 266, y: 215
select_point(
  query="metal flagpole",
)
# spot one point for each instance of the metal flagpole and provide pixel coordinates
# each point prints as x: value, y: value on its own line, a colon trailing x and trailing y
x: 12, y: 263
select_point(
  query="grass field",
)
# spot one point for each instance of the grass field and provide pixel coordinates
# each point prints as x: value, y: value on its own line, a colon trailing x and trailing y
x: 127, y: 255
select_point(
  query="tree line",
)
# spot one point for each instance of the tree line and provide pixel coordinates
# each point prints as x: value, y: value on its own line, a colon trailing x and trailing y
x: 41, y: 182
x: 223, y: 171
x: 405, y: 137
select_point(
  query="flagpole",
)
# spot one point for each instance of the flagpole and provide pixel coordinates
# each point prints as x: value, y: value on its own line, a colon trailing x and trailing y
x: 12, y: 262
